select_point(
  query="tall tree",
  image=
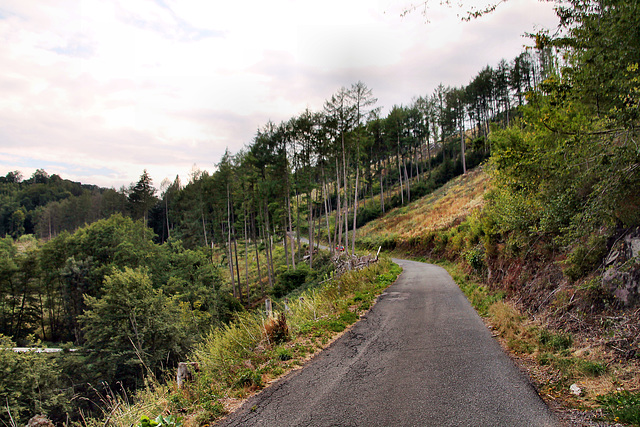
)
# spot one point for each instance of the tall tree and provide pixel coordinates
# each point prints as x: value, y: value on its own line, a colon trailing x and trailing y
x: 141, y: 197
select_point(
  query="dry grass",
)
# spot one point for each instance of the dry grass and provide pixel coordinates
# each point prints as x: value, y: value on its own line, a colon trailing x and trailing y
x: 554, y: 371
x: 443, y: 208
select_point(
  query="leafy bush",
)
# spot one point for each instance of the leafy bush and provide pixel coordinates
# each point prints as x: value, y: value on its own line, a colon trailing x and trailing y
x: 584, y: 258
x: 290, y: 280
x: 475, y: 258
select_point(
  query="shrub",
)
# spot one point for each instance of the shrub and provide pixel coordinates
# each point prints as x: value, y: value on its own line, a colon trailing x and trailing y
x: 475, y: 258
x: 30, y: 384
x: 290, y: 280
x: 583, y: 259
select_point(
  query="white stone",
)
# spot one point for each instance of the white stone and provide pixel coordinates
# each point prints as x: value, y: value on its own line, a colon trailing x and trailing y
x: 575, y: 389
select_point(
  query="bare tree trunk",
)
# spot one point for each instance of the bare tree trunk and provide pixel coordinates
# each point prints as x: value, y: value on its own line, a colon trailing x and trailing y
x: 338, y: 226
x: 462, y: 150
x: 230, y: 259
x: 286, y: 245
x: 400, y: 172
x: 246, y: 256
x: 255, y: 243
x: 298, y: 224
x: 293, y: 258
x: 326, y: 209
x: 355, y: 213
x: 235, y: 245
x: 429, y: 155
x: 310, y: 207
x: 233, y: 281
x: 346, y: 196
x: 267, y: 237
x: 381, y: 170
x: 406, y: 177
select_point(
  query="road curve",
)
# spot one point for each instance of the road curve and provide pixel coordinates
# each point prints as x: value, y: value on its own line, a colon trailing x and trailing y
x: 420, y: 357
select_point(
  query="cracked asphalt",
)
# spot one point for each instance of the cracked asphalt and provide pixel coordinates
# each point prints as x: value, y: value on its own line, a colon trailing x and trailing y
x: 420, y: 357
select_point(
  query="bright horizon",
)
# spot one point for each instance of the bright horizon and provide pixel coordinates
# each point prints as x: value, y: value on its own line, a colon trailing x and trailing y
x: 98, y: 91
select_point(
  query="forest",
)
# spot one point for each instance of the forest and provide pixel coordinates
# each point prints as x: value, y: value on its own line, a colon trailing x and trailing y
x: 132, y: 279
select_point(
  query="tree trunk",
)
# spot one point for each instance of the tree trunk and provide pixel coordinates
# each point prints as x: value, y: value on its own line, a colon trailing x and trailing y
x: 462, y: 150
x: 400, y: 172
x: 293, y: 258
x: 406, y: 177
x: 255, y: 243
x: 246, y: 256
x: 298, y: 224
x: 204, y: 231
x: 346, y: 196
x: 269, y: 246
x: 381, y: 171
x: 326, y: 210
x: 310, y: 207
x: 230, y: 260
x: 355, y: 212
x: 338, y: 226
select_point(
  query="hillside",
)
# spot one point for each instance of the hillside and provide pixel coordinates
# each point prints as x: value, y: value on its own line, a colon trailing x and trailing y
x: 441, y: 209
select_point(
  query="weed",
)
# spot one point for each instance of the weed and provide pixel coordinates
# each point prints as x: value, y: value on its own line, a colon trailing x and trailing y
x: 248, y: 378
x: 336, y: 325
x: 284, y: 354
x: 160, y: 421
x: 348, y: 317
x: 557, y: 342
x: 623, y: 406
x: 590, y: 368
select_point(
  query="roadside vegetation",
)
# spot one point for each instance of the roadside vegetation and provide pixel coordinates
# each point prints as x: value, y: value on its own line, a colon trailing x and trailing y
x: 246, y: 355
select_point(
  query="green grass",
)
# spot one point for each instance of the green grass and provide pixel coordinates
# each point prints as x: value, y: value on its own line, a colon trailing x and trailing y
x: 623, y: 406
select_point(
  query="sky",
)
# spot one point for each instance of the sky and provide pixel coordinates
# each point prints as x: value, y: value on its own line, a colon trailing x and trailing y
x: 97, y: 91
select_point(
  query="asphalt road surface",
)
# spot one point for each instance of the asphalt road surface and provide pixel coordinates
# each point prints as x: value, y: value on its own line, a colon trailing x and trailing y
x: 420, y: 357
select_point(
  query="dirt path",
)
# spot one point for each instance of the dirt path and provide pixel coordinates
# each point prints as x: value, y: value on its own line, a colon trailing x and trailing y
x: 421, y: 357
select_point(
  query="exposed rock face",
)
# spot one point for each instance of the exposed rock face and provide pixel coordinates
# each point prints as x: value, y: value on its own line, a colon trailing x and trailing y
x: 622, y: 277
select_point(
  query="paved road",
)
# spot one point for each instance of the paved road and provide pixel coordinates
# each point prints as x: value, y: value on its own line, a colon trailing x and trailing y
x: 421, y: 357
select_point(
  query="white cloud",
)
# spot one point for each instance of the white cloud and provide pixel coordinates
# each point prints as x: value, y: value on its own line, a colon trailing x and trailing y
x: 99, y: 90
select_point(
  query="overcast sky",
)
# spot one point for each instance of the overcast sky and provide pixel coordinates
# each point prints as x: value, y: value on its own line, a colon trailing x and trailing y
x: 96, y: 91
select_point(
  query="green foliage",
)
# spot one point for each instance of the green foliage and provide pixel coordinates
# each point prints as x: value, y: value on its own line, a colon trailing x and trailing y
x: 160, y: 421
x: 475, y: 258
x: 133, y: 329
x: 555, y: 342
x: 623, y: 406
x: 284, y: 354
x: 289, y: 280
x: 584, y: 258
x: 30, y: 384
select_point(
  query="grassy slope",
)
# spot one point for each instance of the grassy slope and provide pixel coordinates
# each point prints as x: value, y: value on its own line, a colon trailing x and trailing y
x: 440, y: 209
x: 554, y: 360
